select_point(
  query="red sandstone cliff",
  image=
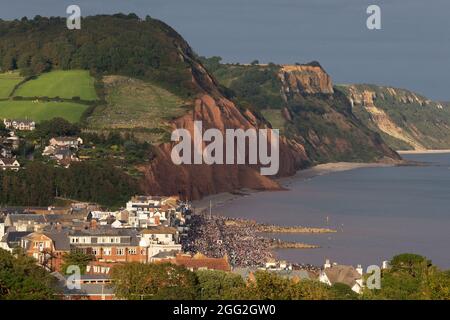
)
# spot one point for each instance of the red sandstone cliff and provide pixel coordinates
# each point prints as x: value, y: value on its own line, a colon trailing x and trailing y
x: 215, y: 111
x: 305, y: 79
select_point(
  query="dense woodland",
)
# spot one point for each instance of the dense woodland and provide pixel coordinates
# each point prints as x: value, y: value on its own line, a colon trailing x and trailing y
x: 22, y: 279
x: 409, y: 277
x: 39, y: 184
x: 117, y: 44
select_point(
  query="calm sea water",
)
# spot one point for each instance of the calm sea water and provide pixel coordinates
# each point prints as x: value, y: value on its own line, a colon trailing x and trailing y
x: 378, y: 212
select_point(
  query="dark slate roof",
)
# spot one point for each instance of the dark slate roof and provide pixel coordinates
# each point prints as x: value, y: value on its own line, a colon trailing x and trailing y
x: 85, y: 289
x: 90, y: 289
x: 14, y: 236
x: 87, y: 277
x: 165, y: 254
x: 12, y: 210
x: 39, y: 218
x: 8, y: 161
x: 159, y: 230
x: 60, y: 240
x: 101, y: 231
x: 26, y: 121
x: 104, y: 231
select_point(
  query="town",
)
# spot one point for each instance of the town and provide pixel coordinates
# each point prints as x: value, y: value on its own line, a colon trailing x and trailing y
x: 148, y: 229
x: 113, y: 136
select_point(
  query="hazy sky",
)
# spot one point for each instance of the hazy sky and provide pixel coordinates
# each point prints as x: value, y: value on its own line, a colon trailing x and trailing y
x: 411, y: 51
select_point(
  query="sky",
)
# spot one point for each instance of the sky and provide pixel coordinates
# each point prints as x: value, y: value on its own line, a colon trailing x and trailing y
x: 411, y: 51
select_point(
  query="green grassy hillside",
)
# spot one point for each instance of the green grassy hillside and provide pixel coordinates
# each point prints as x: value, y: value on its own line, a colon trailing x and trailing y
x: 323, y: 123
x: 106, y: 44
x: 8, y: 81
x: 39, y: 111
x: 135, y: 104
x: 63, y: 84
x: 405, y: 119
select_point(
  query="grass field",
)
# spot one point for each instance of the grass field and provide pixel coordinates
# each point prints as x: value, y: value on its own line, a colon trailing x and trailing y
x: 132, y: 104
x: 7, y: 83
x: 39, y: 111
x: 63, y: 84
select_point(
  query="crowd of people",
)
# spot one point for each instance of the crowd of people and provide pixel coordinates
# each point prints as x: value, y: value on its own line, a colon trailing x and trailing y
x: 217, y: 236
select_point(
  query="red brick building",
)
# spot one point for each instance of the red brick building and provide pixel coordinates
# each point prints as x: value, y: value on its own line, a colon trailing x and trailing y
x: 47, y: 248
x: 109, y: 245
x: 199, y: 262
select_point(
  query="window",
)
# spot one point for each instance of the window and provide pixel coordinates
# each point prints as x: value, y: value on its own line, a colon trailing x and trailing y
x: 107, y: 251
x: 120, y: 251
x: 132, y: 251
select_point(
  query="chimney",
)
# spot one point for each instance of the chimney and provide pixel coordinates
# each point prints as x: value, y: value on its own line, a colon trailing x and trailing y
x: 93, y: 224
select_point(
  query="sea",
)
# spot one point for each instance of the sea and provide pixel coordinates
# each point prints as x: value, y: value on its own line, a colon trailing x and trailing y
x: 378, y: 212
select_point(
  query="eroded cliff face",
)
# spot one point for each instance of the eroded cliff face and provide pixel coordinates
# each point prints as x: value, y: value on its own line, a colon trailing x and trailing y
x: 305, y: 79
x: 410, y: 121
x: 321, y: 119
x: 194, y: 181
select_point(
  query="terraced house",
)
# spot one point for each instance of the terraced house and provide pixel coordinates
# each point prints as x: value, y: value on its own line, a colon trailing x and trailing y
x: 48, y: 248
x: 20, y: 124
x: 109, y: 245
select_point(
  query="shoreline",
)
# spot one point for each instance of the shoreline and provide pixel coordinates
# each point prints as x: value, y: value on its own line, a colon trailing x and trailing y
x: 219, y: 199
x: 430, y: 151
x: 330, y: 168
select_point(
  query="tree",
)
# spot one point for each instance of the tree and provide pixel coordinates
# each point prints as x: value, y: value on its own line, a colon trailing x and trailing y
x: 342, y: 291
x: 77, y: 259
x: 270, y: 286
x: 215, y: 285
x: 56, y: 127
x: 3, y: 130
x: 137, y: 281
x: 411, y: 277
x: 22, y: 279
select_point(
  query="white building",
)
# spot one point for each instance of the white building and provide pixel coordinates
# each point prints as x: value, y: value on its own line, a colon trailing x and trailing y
x: 147, y: 211
x: 19, y: 124
x: 334, y: 273
x: 160, y: 239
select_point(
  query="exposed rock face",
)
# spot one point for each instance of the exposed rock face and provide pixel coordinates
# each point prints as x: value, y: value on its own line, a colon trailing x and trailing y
x: 195, y: 181
x: 325, y: 124
x: 305, y: 79
x: 408, y: 120
x: 215, y: 111
x: 297, y: 151
x: 344, y: 139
